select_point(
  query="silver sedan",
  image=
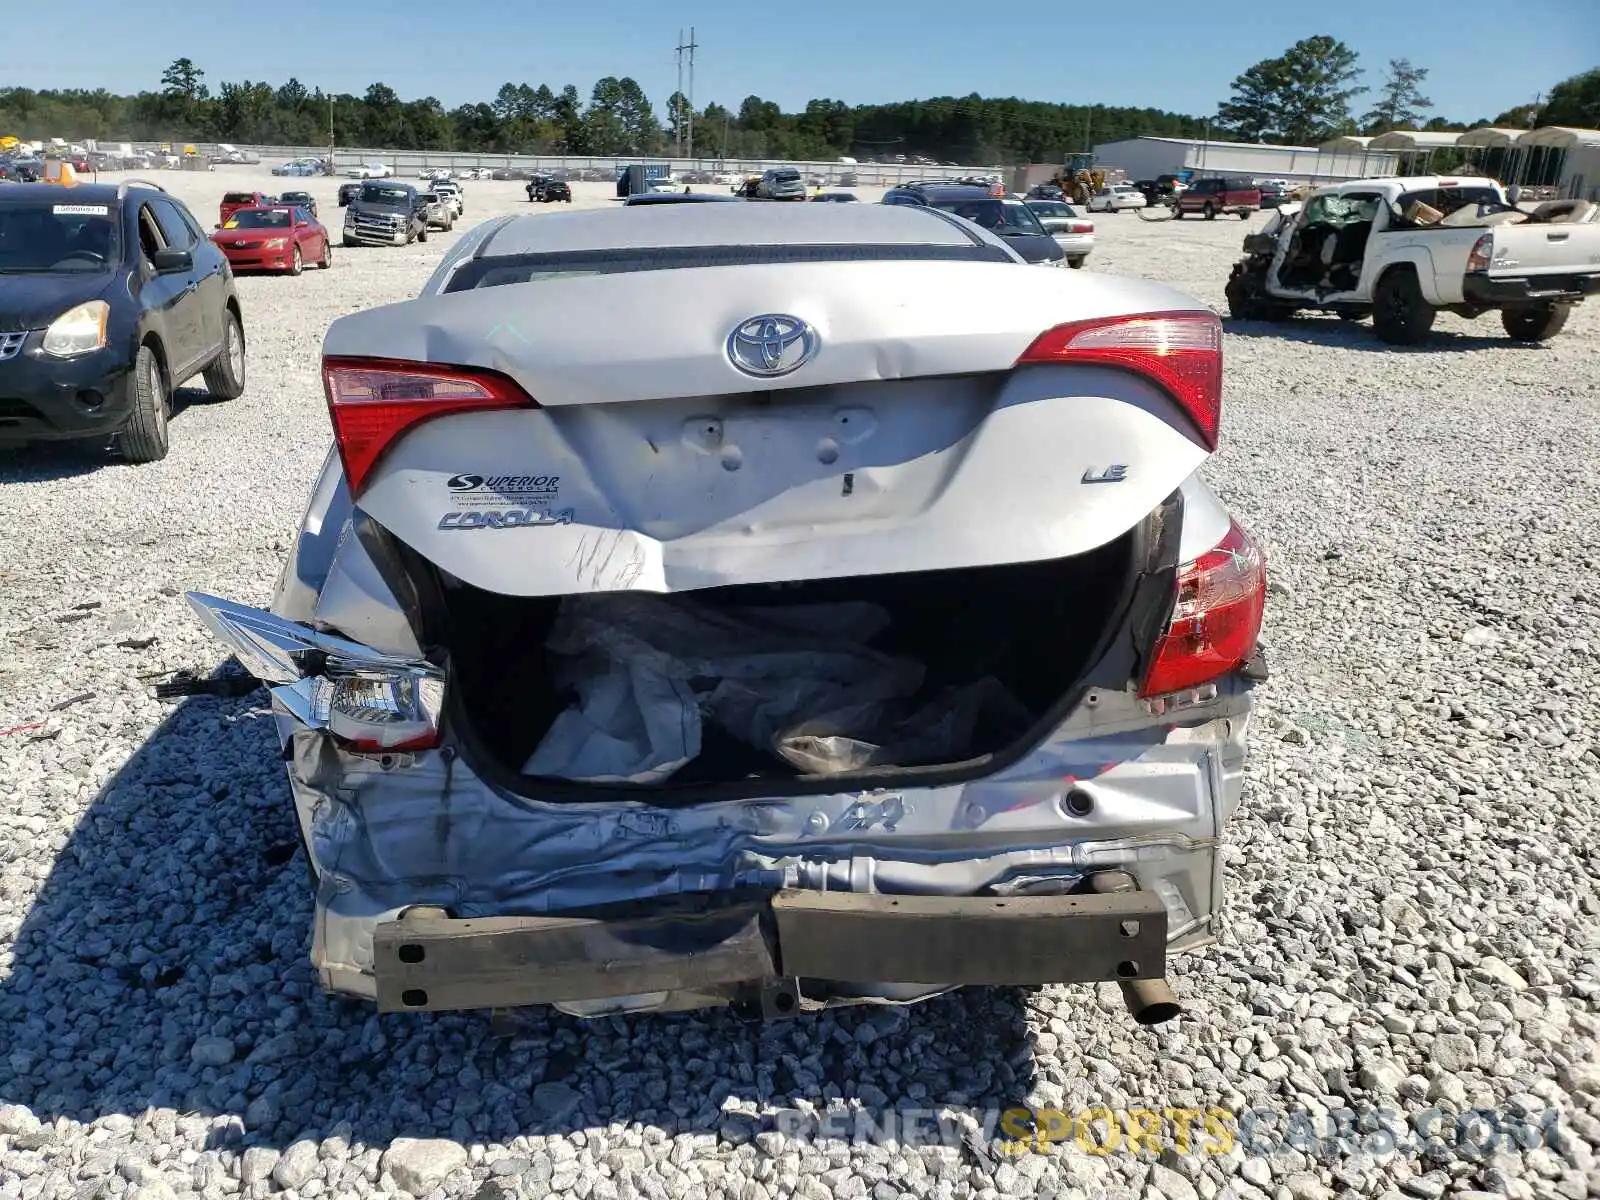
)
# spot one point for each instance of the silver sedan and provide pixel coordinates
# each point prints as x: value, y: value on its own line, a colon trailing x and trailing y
x: 654, y: 638
x: 1073, y: 231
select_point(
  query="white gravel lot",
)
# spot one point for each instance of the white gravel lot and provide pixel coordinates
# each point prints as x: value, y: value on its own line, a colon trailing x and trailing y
x: 1413, y: 922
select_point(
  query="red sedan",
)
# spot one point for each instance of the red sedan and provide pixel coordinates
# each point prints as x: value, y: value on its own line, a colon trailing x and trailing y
x: 274, y: 239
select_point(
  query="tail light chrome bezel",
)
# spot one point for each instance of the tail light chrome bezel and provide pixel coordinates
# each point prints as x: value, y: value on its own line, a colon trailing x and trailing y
x: 371, y: 702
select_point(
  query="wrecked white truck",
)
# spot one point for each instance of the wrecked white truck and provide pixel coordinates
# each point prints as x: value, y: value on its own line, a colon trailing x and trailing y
x: 1402, y: 250
x: 761, y: 605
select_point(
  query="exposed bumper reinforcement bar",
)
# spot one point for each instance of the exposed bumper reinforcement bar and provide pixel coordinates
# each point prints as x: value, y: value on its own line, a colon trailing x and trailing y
x: 428, y: 961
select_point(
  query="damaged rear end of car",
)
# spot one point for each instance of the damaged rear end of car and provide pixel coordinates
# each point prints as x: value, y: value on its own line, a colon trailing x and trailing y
x: 768, y: 612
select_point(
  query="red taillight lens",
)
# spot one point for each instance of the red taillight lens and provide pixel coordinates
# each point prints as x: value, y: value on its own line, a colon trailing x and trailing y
x: 1482, y: 253
x: 372, y: 401
x: 1216, y: 619
x: 1082, y: 227
x: 1180, y: 351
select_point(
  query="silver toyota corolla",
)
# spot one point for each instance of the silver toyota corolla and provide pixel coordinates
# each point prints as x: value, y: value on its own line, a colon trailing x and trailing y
x: 765, y: 605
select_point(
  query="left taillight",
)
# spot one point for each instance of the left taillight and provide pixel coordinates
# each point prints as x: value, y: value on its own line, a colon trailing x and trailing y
x: 376, y: 710
x: 1181, y: 352
x: 371, y: 701
x: 1481, y: 254
x: 373, y: 401
x: 1216, y: 619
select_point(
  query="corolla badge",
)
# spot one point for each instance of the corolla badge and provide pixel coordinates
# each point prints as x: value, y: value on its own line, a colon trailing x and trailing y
x: 771, y: 345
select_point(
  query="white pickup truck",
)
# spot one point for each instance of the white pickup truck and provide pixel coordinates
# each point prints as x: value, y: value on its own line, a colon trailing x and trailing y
x: 1402, y: 249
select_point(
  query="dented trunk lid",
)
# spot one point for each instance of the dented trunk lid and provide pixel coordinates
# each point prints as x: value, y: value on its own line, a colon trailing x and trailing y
x: 909, y: 441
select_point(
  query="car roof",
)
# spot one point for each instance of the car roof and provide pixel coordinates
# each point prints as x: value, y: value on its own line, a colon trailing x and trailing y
x: 724, y: 225
x: 953, y: 191
x: 679, y: 198
x: 83, y: 193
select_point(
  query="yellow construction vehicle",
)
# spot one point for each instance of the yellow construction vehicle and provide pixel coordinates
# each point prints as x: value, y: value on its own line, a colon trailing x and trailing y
x: 1078, y: 186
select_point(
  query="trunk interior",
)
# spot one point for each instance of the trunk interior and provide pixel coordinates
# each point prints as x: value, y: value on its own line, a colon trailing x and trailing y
x: 971, y: 661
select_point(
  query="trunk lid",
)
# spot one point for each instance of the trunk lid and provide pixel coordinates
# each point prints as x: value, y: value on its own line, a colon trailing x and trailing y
x: 909, y: 441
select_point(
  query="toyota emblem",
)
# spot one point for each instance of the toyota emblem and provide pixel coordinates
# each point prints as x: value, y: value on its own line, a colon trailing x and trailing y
x: 771, y: 345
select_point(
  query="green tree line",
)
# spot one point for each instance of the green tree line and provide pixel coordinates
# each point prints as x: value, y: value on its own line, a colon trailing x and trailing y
x: 616, y: 117
x: 1302, y: 97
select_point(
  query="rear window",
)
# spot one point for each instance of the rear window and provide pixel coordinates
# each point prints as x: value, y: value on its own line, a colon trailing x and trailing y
x: 1447, y: 200
x: 785, y: 174
x: 534, y: 268
x: 1008, y: 218
x: 239, y: 198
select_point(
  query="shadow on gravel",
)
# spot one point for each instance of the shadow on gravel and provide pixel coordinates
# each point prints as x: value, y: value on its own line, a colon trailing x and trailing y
x: 1348, y: 335
x: 178, y: 909
x: 40, y: 462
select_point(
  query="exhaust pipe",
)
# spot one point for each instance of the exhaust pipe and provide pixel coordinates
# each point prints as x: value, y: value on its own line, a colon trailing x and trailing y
x: 1149, y: 1001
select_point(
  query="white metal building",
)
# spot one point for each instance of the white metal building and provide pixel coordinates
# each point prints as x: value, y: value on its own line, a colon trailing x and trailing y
x: 1148, y: 157
x: 1415, y: 148
x: 1551, y: 155
x: 1570, y: 156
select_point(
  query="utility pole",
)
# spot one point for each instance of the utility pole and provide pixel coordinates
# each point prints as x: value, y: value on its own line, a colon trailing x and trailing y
x: 677, y: 103
x: 691, y: 47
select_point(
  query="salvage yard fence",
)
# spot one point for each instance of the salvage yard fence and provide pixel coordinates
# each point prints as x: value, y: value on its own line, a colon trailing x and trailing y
x: 407, y: 163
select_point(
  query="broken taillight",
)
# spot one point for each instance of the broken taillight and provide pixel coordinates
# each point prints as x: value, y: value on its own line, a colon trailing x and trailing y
x: 1181, y: 352
x: 373, y: 401
x: 1217, y: 616
x: 375, y: 711
x: 371, y: 701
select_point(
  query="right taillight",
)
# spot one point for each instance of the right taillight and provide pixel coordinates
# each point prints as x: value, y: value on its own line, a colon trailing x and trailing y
x: 1482, y: 253
x: 1216, y: 619
x: 373, y: 401
x: 1180, y: 352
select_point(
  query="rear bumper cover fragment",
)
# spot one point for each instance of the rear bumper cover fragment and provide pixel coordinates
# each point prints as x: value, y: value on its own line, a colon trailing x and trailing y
x: 429, y: 962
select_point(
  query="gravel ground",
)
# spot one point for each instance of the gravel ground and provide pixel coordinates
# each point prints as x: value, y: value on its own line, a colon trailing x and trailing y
x: 1413, y: 916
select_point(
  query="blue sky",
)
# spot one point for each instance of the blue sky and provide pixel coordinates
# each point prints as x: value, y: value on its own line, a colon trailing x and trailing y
x: 1484, y: 55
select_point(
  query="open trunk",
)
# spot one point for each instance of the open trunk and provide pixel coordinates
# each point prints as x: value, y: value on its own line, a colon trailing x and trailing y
x: 792, y: 683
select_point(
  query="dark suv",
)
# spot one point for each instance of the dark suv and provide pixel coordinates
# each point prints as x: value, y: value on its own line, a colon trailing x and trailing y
x: 546, y: 189
x: 1007, y: 217
x: 111, y: 297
